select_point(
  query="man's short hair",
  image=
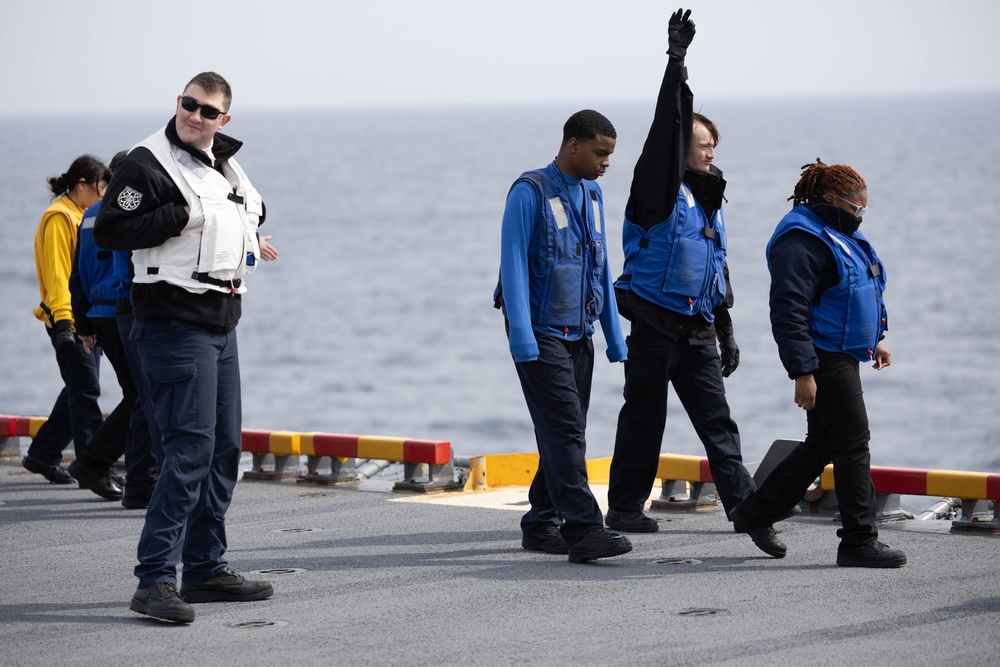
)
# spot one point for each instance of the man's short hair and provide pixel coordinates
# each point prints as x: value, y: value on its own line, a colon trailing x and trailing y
x: 709, y: 125
x: 587, y: 124
x: 213, y: 83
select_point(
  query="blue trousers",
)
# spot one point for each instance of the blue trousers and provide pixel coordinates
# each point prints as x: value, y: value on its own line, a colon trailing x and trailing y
x: 76, y: 414
x: 654, y: 362
x: 557, y: 390
x: 142, y: 445
x: 194, y: 382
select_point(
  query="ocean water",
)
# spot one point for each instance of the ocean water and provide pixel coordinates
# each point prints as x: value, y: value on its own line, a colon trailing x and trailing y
x: 377, y: 319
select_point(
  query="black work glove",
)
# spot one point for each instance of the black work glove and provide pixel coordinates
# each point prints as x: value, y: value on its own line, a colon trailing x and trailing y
x: 727, y: 349
x: 65, y: 338
x: 680, y: 32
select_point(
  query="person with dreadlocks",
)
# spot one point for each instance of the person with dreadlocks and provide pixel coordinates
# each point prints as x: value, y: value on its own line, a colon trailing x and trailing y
x: 675, y: 291
x: 827, y: 316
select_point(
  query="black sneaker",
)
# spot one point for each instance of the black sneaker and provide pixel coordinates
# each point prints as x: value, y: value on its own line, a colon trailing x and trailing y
x: 762, y: 535
x: 598, y: 543
x: 102, y: 485
x: 161, y: 601
x: 226, y: 586
x: 630, y: 522
x: 873, y: 554
x: 55, y: 474
x: 548, y: 539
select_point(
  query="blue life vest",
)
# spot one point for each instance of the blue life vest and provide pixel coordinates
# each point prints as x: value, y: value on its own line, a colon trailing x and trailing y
x: 96, y: 270
x: 678, y: 263
x: 567, y: 255
x: 850, y: 316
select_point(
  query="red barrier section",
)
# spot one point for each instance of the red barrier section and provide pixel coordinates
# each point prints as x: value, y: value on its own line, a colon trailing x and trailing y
x: 326, y: 444
x: 993, y: 487
x: 705, y: 471
x: 7, y: 426
x: 427, y: 451
x: 256, y: 441
x: 22, y: 426
x: 900, y: 480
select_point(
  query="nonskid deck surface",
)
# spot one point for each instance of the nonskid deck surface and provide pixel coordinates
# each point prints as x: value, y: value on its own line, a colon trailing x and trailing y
x: 365, y: 576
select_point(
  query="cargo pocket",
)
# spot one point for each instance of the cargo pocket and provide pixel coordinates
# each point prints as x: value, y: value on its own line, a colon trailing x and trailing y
x: 174, y: 391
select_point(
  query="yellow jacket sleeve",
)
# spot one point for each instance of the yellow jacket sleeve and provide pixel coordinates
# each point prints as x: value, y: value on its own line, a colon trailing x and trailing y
x: 59, y: 239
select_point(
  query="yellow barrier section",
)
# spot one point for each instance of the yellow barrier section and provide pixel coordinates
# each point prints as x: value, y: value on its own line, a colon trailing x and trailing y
x: 956, y: 483
x: 385, y: 449
x: 826, y: 479
x: 284, y: 443
x: 497, y: 470
x: 510, y: 469
x: 599, y: 471
x: 679, y: 466
x: 35, y: 424
x: 306, y: 444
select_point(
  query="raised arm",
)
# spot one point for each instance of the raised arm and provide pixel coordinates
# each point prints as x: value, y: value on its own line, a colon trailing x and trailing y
x: 660, y: 168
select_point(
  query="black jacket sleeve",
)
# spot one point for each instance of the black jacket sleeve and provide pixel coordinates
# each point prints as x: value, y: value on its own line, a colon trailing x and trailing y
x: 660, y: 168
x: 798, y: 261
x: 142, y: 207
x: 723, y: 318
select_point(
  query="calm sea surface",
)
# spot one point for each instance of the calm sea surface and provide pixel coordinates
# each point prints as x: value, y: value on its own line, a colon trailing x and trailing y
x: 377, y: 319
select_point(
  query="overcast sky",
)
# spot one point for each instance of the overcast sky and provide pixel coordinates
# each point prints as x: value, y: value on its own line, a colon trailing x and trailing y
x: 60, y: 57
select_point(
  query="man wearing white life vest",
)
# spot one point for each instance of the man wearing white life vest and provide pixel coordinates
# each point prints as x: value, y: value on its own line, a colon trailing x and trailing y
x: 189, y: 214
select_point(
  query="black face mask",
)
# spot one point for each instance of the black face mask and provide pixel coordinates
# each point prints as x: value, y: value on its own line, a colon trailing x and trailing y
x: 848, y: 224
x: 836, y: 217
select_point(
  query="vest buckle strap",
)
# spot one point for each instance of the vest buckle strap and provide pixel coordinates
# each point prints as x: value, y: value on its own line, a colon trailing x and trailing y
x: 235, y: 198
x: 232, y: 285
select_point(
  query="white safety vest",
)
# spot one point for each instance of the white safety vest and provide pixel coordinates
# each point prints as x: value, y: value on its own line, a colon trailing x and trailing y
x: 220, y: 237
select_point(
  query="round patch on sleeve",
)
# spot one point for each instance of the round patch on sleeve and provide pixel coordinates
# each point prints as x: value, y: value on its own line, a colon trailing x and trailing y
x: 128, y: 199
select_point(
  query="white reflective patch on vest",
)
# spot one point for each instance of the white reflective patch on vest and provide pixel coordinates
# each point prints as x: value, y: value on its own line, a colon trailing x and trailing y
x: 128, y: 199
x: 688, y: 195
x: 559, y: 213
x: 597, y: 216
x: 839, y: 242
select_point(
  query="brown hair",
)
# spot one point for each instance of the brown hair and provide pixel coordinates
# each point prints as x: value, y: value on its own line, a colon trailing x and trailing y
x: 212, y: 83
x: 819, y: 179
x: 709, y: 125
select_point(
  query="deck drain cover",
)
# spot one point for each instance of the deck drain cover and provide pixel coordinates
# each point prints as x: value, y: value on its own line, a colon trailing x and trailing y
x: 317, y: 494
x: 281, y: 570
x: 678, y: 561
x: 260, y: 624
x: 298, y: 530
x: 700, y: 612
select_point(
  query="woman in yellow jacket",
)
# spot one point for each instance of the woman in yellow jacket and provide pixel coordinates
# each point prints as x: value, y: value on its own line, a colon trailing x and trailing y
x: 76, y: 414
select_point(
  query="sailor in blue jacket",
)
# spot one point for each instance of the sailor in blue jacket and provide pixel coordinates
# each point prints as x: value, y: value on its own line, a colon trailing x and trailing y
x: 675, y: 291
x: 554, y: 284
x: 93, y: 291
x: 827, y: 316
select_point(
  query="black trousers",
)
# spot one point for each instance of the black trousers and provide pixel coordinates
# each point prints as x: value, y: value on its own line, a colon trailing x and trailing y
x: 838, y: 433
x: 76, y: 414
x: 655, y: 361
x: 557, y: 390
x: 108, y: 443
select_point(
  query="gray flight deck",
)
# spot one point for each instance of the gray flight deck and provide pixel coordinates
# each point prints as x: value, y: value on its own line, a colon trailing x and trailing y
x: 363, y: 576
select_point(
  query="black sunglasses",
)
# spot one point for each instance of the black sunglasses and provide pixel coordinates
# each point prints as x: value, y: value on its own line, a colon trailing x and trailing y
x: 208, y: 112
